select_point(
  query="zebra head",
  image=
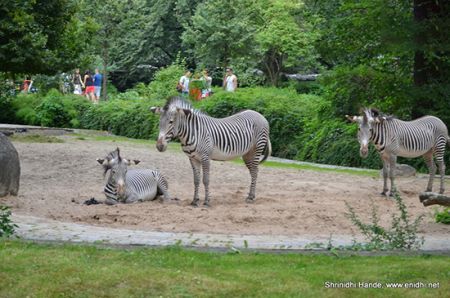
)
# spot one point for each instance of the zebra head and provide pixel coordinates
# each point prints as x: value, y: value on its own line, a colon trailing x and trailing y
x: 366, y: 122
x: 118, y: 168
x: 170, y: 117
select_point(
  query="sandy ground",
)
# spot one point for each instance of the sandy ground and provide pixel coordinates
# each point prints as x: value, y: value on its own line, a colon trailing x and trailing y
x: 57, y: 178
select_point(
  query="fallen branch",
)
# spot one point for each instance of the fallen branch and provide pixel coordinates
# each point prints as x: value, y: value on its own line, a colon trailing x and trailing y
x: 432, y: 198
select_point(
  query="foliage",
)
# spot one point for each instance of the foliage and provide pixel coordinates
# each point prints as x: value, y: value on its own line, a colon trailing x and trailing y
x: 7, y: 228
x: 271, y: 35
x: 84, y: 270
x: 51, y: 110
x: 401, y: 235
x: 443, y: 216
x: 165, y: 81
x: 39, y: 36
x: 351, y: 89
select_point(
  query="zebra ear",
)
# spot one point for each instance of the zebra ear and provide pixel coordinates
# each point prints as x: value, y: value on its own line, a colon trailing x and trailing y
x: 136, y: 161
x: 351, y: 118
x: 155, y: 110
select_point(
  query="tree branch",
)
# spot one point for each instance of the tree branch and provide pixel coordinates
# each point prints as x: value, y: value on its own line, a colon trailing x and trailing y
x: 431, y: 198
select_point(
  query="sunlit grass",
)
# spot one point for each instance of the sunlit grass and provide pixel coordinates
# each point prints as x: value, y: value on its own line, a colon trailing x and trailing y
x: 39, y: 270
x: 36, y: 138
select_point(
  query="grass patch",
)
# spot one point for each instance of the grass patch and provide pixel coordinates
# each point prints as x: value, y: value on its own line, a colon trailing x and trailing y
x: 36, y: 138
x: 44, y: 270
x: 282, y: 165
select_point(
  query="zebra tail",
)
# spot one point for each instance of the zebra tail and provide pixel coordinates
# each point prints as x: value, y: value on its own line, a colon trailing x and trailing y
x: 267, y: 151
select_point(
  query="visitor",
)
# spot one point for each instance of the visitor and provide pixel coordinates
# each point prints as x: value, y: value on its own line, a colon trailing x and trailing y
x: 89, y: 83
x: 77, y: 82
x: 183, y: 84
x: 27, y: 84
x: 97, y: 84
x: 207, y: 85
x: 230, y: 80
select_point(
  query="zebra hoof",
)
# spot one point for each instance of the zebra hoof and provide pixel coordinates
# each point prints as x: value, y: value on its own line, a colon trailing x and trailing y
x: 250, y: 200
x: 194, y: 203
x: 383, y: 194
x: 206, y: 204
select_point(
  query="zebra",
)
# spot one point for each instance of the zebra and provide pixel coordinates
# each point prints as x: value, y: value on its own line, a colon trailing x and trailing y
x: 204, y: 138
x: 426, y: 136
x: 129, y: 186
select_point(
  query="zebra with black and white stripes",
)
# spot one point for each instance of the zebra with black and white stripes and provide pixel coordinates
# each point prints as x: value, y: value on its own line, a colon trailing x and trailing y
x: 426, y: 136
x: 204, y: 138
x: 129, y: 186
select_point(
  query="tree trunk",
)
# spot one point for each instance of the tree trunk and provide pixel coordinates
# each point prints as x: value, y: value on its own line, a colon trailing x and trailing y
x: 431, y: 198
x: 105, y: 70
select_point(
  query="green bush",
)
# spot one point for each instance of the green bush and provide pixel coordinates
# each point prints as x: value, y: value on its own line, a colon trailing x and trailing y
x: 443, y: 216
x: 350, y: 89
x: 401, y: 235
x: 6, y: 226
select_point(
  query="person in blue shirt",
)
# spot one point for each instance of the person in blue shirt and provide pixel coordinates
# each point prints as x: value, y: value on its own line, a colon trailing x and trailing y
x: 97, y: 84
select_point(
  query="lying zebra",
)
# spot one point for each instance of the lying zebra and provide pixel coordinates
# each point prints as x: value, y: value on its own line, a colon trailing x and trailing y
x: 204, y: 138
x: 129, y: 186
x: 426, y: 136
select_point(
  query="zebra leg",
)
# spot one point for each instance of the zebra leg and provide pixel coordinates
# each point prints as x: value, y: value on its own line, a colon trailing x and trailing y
x: 205, y: 168
x: 196, y: 165
x: 392, y: 163
x: 385, y: 159
x: 441, y: 165
x: 163, y: 189
x: 251, y: 160
x: 428, y: 157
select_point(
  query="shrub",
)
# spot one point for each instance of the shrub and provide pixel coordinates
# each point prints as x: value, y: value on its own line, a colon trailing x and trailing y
x: 6, y: 226
x: 350, y: 89
x: 443, y: 216
x: 401, y: 235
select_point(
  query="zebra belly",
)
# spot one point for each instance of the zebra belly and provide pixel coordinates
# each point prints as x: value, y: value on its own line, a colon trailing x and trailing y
x: 411, y: 154
x: 221, y: 155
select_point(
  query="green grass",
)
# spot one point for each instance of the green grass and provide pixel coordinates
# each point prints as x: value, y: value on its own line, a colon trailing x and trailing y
x: 282, y: 165
x: 44, y: 270
x: 35, y: 138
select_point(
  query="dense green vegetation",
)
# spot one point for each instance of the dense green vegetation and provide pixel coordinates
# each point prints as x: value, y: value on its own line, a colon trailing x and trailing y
x: 44, y: 270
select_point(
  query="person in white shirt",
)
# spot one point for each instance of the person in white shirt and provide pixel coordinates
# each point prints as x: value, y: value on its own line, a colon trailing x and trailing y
x: 230, y: 81
x: 183, y: 84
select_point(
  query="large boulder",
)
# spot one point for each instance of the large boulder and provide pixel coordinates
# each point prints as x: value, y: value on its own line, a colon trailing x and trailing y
x: 9, y: 168
x: 402, y: 170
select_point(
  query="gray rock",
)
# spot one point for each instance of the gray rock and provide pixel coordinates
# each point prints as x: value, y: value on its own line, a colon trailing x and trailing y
x: 402, y: 170
x: 9, y: 168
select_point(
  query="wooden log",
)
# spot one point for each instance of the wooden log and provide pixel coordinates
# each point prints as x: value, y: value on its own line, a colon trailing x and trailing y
x: 432, y: 198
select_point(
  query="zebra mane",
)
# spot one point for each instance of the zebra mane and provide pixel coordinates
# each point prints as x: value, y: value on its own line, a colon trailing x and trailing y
x: 376, y: 113
x: 179, y: 102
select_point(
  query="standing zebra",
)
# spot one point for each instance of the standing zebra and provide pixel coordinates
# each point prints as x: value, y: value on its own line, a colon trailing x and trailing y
x: 129, y: 186
x: 204, y: 138
x: 426, y: 136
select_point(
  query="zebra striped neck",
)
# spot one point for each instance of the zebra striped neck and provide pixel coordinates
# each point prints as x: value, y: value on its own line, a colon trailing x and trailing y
x: 378, y: 136
x: 111, y: 191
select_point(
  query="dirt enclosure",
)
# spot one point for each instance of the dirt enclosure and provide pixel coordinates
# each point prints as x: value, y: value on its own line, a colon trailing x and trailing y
x: 57, y: 178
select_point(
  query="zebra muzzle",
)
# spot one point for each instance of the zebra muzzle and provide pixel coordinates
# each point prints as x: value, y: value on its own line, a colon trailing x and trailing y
x: 364, y: 151
x: 161, y: 145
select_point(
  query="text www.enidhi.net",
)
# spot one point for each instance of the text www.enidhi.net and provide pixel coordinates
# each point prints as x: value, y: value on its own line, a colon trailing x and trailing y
x: 379, y: 285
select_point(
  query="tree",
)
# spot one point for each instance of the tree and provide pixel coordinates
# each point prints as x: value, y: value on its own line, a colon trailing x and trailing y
x: 270, y: 34
x: 37, y: 36
x: 285, y: 38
